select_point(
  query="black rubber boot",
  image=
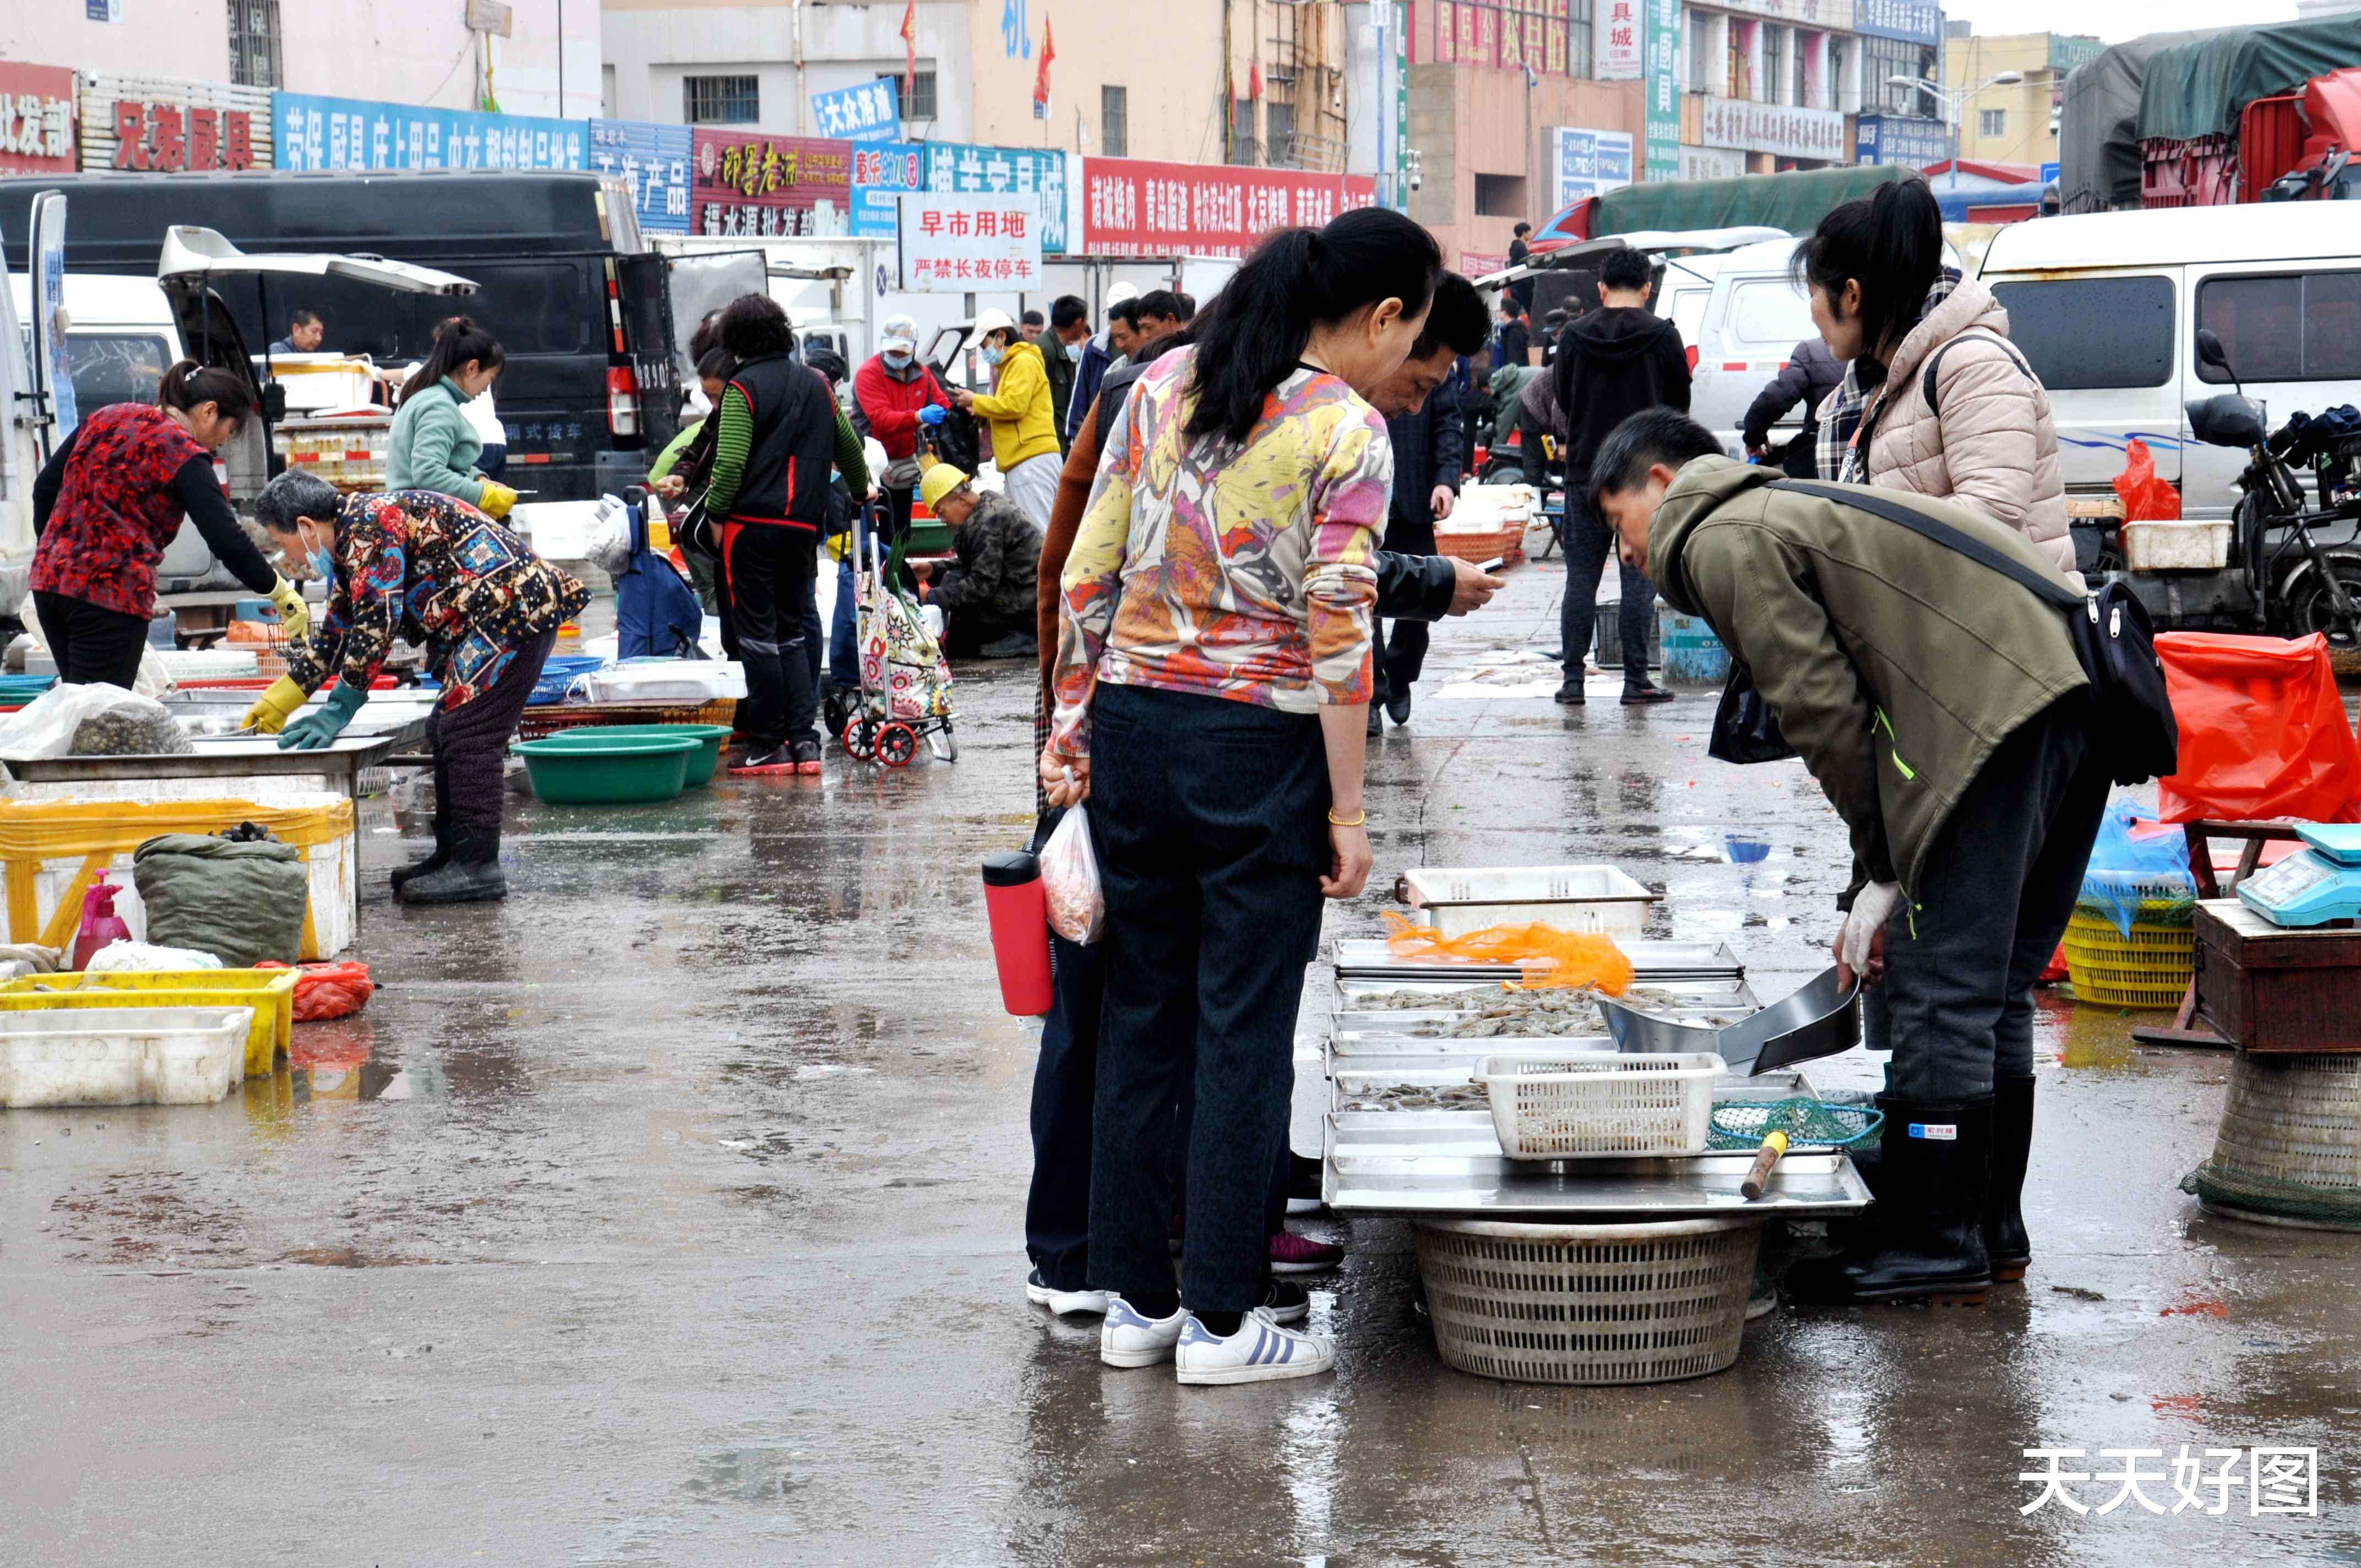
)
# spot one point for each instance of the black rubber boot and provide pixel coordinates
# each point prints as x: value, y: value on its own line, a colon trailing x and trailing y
x: 2005, y: 1243
x: 473, y: 876
x: 441, y: 856
x: 1928, y: 1239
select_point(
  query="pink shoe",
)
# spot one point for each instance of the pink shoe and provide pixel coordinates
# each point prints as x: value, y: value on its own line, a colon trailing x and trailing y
x: 1291, y: 1254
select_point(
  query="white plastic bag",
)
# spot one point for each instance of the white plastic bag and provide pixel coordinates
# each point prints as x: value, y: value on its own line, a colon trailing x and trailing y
x: 1069, y: 880
x: 47, y: 726
x: 610, y: 549
x: 140, y: 957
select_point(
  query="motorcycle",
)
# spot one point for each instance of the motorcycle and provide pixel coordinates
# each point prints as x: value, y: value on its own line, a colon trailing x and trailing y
x: 2281, y: 579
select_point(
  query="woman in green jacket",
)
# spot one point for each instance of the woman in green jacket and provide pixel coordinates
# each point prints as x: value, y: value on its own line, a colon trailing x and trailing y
x: 433, y: 446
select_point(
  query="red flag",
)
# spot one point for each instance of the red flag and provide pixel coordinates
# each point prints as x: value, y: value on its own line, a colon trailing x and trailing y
x: 1041, y: 77
x: 909, y: 48
x: 1253, y: 79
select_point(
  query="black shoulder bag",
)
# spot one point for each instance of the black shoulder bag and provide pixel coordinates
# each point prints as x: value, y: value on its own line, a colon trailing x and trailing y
x: 2131, y: 711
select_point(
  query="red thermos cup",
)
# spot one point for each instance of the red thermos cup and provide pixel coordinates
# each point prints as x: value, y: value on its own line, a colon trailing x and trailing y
x: 1020, y: 930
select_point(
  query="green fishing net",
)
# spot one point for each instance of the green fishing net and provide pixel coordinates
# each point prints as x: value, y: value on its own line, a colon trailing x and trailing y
x: 1743, y: 1124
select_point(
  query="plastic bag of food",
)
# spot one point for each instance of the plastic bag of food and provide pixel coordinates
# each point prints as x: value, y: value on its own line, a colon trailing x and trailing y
x: 329, y: 989
x: 2138, y: 866
x: 1069, y: 880
x: 1549, y: 956
x: 2146, y: 498
x: 93, y: 720
x: 139, y: 956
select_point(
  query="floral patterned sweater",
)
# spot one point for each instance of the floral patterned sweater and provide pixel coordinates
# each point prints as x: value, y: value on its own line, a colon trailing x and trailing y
x: 1238, y: 572
x: 438, y: 573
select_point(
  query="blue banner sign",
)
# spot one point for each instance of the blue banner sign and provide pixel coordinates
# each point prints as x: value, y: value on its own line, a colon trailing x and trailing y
x: 315, y: 133
x: 882, y: 173
x: 956, y: 166
x: 871, y: 111
x: 1900, y: 138
x: 1912, y: 21
x: 654, y: 160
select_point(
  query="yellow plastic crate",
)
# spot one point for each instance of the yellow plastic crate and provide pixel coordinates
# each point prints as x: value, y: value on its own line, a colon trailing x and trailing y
x: 2151, y: 967
x: 269, y: 991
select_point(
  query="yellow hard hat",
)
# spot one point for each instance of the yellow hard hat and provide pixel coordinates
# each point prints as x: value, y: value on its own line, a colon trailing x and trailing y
x: 938, y: 481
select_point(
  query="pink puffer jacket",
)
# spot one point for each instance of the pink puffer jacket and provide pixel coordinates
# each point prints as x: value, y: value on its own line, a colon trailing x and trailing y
x: 1984, y: 438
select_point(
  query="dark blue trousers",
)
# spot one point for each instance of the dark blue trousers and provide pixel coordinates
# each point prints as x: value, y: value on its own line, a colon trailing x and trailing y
x: 1065, y: 1080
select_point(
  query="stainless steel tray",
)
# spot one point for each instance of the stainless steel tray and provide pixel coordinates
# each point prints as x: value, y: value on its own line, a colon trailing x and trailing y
x: 1370, y: 958
x: 1429, y: 1165
x: 1822, y: 1019
x: 1706, y: 989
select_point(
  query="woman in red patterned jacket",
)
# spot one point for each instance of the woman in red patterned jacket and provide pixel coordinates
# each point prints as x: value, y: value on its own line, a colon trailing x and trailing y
x: 109, y: 501
x: 437, y: 573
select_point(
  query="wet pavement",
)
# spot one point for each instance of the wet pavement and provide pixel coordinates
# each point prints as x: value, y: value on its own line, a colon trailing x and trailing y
x: 671, y: 1213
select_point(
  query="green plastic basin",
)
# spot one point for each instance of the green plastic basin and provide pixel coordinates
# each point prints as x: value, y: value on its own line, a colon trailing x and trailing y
x: 628, y: 770
x: 703, y: 763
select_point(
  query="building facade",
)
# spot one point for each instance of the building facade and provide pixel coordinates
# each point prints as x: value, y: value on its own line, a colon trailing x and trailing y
x: 2017, y: 122
x: 533, y: 56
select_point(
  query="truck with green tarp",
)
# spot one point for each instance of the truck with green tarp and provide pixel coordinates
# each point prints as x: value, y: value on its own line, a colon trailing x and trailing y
x: 2224, y: 116
x: 1793, y: 203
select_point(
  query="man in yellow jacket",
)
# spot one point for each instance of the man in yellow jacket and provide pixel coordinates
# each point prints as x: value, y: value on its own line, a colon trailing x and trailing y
x: 1024, y: 425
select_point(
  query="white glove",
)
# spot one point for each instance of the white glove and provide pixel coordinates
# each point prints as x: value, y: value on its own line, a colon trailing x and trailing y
x: 1871, y: 908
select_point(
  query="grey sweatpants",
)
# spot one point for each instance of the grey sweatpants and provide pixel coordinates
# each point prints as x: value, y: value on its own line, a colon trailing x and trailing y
x: 1962, y: 952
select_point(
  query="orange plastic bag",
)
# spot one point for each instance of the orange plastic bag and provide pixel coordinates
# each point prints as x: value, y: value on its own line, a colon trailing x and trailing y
x: 329, y: 989
x: 1550, y: 959
x: 2262, y: 730
x: 2146, y: 498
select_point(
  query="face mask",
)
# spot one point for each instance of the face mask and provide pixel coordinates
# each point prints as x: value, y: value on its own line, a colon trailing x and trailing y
x: 1074, y: 350
x: 991, y: 353
x: 898, y: 361
x: 323, y: 564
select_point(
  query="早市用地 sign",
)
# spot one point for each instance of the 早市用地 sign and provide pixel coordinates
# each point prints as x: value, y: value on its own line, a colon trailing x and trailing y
x: 969, y: 244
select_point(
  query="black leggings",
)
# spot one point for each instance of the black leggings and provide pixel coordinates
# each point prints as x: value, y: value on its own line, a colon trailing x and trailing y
x: 768, y: 569
x: 91, y: 642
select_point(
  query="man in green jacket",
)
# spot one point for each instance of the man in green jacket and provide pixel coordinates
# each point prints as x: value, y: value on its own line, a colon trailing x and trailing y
x: 1943, y: 709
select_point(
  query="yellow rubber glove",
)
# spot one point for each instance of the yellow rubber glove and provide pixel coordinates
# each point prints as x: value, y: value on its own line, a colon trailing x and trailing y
x: 498, y: 499
x: 294, y: 615
x: 279, y: 704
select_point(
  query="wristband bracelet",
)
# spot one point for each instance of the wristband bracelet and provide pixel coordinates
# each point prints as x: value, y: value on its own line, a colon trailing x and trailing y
x: 1337, y: 821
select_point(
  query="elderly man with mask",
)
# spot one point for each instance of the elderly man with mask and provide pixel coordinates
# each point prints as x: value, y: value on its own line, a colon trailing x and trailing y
x: 889, y: 391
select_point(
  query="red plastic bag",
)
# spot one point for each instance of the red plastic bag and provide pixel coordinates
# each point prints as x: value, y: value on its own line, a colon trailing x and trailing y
x: 2262, y: 730
x: 2146, y: 498
x: 329, y: 989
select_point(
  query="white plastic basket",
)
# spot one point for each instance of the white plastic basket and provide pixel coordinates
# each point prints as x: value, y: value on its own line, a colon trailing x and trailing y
x: 1458, y: 900
x: 1592, y: 1306
x: 122, y: 1056
x: 667, y: 680
x: 1600, y: 1104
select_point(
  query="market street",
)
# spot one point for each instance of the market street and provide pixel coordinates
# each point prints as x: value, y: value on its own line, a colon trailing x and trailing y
x: 671, y: 1213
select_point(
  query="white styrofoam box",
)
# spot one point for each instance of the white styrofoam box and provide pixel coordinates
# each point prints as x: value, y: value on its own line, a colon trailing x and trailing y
x: 667, y: 680
x: 122, y: 1056
x: 558, y: 530
x: 208, y: 663
x: 1487, y: 509
x: 334, y: 867
x: 2182, y: 546
x: 1460, y: 899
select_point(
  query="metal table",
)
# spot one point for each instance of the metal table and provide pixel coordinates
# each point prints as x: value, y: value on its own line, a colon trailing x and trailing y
x: 222, y: 757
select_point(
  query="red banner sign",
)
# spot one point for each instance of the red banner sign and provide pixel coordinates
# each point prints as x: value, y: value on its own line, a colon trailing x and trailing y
x: 177, y: 137
x: 766, y: 187
x: 37, y: 119
x: 1132, y: 207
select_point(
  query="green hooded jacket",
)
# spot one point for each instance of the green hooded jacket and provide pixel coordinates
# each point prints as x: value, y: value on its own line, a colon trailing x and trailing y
x: 1896, y: 665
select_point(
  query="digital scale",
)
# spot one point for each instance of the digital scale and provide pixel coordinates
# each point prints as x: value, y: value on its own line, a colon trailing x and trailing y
x: 2316, y: 885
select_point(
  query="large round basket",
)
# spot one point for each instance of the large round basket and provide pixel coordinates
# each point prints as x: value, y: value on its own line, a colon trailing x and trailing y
x: 2289, y: 1152
x: 1592, y: 1305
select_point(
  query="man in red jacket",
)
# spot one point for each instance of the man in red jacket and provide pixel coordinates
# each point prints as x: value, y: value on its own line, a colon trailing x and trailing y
x: 888, y: 391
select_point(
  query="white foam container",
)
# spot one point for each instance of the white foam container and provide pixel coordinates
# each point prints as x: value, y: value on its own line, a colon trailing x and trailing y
x: 1458, y: 900
x: 671, y: 680
x: 122, y: 1056
x: 2169, y: 546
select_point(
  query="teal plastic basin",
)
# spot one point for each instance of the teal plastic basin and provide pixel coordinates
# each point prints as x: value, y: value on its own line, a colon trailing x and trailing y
x: 703, y: 763
x: 626, y: 770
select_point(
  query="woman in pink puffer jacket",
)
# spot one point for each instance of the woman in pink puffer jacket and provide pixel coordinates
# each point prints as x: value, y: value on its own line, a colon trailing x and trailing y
x: 1935, y: 401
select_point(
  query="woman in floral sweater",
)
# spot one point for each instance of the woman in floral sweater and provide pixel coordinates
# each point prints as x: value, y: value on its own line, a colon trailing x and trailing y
x: 438, y: 573
x: 1211, y: 685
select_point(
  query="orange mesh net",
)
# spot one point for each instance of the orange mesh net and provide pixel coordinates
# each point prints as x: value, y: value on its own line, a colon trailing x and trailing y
x: 1550, y: 959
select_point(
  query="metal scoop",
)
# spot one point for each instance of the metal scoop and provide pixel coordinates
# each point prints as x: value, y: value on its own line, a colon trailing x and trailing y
x: 1817, y: 1021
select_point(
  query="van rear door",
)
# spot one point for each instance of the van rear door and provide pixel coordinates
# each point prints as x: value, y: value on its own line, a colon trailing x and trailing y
x: 2106, y: 346
x: 664, y: 297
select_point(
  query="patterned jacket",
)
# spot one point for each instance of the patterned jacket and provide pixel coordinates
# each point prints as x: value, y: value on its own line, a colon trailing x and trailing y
x: 438, y: 573
x: 1239, y: 572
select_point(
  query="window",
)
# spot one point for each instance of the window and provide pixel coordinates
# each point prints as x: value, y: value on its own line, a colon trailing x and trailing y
x: 1803, y: 85
x: 1700, y: 25
x: 1739, y: 36
x: 918, y: 94
x: 1992, y: 122
x: 1579, y: 39
x: 1774, y: 66
x: 1884, y: 58
x: 254, y: 42
x: 2086, y: 333
x: 114, y: 367
x: 2295, y: 327
x: 1243, y: 147
x: 1841, y: 94
x: 1500, y: 197
x: 1770, y: 314
x: 721, y: 100
x: 1115, y: 116
x: 1278, y: 136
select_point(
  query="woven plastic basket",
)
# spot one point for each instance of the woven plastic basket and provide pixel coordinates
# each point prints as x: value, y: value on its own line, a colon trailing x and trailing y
x: 539, y: 722
x: 1599, y: 1104
x: 1591, y: 1305
x: 1502, y: 544
x: 2289, y: 1151
x: 2148, y: 968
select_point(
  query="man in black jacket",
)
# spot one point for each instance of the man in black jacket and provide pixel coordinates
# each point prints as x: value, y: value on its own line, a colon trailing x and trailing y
x: 1612, y: 363
x: 1810, y: 374
x: 1427, y: 457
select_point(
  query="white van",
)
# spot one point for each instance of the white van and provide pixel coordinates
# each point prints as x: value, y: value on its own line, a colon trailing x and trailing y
x: 2105, y: 307
x: 1751, y: 326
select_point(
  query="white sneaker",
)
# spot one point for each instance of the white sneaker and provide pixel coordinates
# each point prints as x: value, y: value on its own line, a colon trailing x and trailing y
x: 1259, y: 1352
x: 1065, y: 1303
x: 1127, y: 1339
